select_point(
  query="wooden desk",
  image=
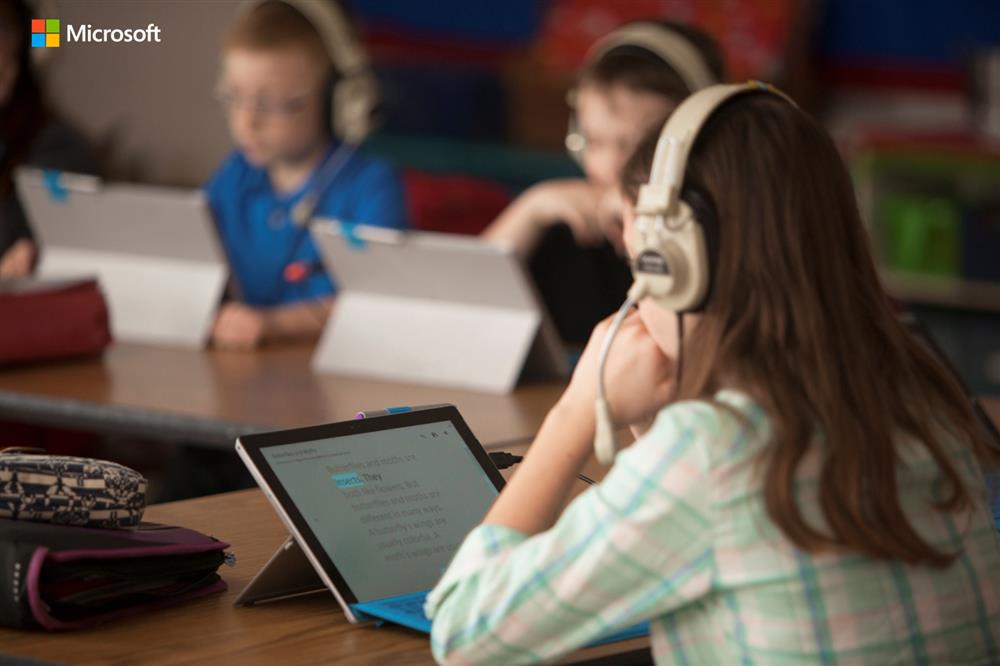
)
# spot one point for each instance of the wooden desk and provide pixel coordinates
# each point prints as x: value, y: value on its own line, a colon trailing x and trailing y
x: 209, y: 397
x: 306, y: 630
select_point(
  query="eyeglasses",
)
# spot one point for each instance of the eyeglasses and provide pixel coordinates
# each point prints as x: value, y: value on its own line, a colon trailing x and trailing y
x: 265, y: 106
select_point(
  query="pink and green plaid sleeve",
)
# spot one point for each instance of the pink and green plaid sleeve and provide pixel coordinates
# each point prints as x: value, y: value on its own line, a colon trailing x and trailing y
x: 509, y: 599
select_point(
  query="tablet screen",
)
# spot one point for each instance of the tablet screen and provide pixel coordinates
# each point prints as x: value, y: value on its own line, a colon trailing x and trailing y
x: 389, y: 508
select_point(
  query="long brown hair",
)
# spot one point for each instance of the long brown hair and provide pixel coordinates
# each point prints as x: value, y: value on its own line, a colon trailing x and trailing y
x: 797, y: 318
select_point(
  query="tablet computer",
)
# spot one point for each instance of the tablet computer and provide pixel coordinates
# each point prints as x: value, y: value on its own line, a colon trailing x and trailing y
x: 432, y: 308
x: 377, y: 507
x: 154, y: 251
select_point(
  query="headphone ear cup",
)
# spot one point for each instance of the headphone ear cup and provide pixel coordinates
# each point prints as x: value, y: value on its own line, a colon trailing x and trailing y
x: 353, y: 101
x: 575, y: 143
x: 708, y: 223
x: 671, y: 259
x: 329, y: 102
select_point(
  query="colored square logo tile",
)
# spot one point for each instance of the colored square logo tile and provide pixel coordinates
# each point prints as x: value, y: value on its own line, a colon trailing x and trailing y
x: 51, y: 25
x: 37, y: 25
x: 37, y: 40
x: 52, y: 41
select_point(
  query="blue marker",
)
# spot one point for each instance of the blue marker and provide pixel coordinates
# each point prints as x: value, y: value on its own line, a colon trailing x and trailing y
x: 53, y: 183
x: 388, y: 411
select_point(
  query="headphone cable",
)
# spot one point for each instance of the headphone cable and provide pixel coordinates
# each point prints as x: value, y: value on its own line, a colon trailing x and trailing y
x: 301, y: 214
x: 605, y: 445
x: 680, y: 354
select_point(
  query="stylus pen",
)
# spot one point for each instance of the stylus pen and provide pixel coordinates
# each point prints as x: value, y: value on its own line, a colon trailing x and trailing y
x: 395, y: 410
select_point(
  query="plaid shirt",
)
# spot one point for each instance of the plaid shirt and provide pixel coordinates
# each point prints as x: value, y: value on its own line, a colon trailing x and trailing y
x: 677, y: 534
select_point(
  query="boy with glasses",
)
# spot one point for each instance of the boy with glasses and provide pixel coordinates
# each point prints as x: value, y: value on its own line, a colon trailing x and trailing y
x: 287, y: 168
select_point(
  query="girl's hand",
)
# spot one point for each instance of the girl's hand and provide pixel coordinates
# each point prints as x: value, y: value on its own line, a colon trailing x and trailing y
x: 638, y: 379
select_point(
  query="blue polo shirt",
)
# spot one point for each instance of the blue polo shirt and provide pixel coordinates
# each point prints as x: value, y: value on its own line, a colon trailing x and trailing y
x: 260, y: 238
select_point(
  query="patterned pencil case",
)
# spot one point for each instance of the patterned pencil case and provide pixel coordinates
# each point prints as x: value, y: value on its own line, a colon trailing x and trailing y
x: 66, y: 490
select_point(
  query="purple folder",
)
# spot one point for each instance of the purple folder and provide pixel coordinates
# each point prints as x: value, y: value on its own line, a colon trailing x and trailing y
x: 58, y: 577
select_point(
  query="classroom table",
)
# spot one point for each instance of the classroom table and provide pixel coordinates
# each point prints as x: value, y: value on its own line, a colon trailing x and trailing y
x: 209, y: 397
x: 303, y: 630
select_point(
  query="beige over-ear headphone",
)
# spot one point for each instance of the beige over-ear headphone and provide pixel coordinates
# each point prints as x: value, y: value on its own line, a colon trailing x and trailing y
x: 671, y: 263
x: 355, y: 92
x: 674, y: 49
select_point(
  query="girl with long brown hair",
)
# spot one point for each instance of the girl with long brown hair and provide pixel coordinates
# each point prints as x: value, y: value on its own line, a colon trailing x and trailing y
x: 807, y: 483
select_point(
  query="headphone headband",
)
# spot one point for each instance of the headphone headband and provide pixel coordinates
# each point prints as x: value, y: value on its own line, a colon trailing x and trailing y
x: 660, y: 195
x: 675, y: 50
x: 334, y: 29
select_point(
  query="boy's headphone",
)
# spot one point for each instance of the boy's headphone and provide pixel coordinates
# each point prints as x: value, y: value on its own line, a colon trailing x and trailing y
x: 666, y: 44
x: 672, y: 264
x: 354, y: 94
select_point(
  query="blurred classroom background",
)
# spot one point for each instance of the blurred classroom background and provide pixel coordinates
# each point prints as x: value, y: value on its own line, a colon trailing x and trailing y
x: 474, y: 110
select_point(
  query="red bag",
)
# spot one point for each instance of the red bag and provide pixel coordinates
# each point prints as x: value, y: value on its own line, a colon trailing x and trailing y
x: 50, y: 319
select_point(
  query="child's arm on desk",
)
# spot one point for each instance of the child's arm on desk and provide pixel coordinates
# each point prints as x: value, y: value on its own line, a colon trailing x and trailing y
x: 242, y: 327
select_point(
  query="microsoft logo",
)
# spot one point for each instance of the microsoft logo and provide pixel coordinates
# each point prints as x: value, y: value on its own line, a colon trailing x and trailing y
x: 44, y: 33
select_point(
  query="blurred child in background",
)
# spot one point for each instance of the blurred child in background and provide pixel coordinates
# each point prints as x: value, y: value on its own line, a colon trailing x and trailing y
x: 30, y: 135
x: 290, y: 165
x: 569, y: 231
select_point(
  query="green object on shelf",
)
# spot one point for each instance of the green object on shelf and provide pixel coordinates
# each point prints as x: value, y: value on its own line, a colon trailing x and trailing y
x: 920, y: 235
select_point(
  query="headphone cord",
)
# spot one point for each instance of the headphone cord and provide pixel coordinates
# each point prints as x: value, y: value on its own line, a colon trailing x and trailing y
x: 605, y: 445
x: 616, y: 325
x: 503, y: 460
x: 680, y: 354
x: 301, y: 214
